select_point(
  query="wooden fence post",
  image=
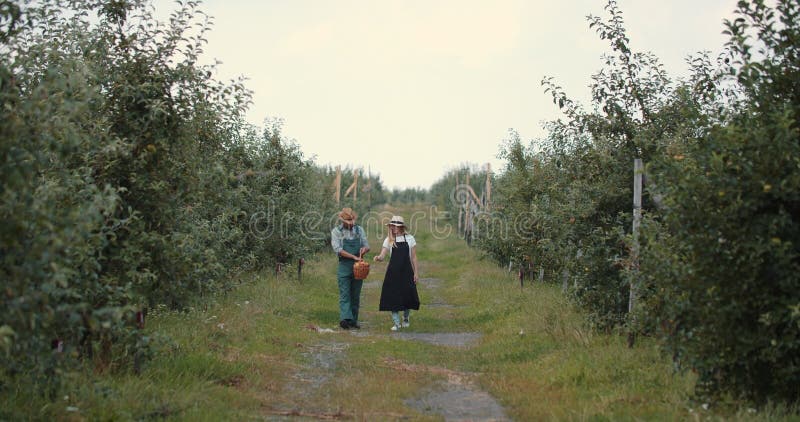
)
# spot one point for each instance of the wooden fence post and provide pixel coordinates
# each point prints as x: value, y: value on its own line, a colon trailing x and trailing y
x: 488, y: 188
x: 337, y: 185
x: 300, y: 263
x: 467, y: 211
x: 355, y: 189
x: 368, y: 188
x: 638, y: 169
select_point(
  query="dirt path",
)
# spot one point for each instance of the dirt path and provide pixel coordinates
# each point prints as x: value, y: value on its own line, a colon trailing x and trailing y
x: 457, y: 398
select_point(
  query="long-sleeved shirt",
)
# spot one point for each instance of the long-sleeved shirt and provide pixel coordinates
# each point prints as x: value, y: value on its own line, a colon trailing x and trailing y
x: 339, y: 233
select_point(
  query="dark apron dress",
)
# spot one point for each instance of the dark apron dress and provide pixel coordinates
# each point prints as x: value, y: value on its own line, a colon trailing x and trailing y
x: 399, y: 292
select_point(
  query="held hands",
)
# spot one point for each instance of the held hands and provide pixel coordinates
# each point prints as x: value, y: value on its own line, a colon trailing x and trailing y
x: 378, y: 258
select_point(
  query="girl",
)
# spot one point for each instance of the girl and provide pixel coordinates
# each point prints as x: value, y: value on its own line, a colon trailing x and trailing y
x: 399, y: 290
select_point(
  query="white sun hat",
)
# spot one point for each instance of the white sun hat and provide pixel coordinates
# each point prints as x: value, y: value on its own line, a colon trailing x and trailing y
x: 396, y: 221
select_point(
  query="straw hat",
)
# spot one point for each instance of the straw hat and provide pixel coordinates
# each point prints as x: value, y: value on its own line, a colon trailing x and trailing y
x: 347, y: 215
x: 396, y: 221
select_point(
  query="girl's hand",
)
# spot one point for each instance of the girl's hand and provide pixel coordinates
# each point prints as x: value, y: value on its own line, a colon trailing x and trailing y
x: 377, y: 258
x: 416, y: 278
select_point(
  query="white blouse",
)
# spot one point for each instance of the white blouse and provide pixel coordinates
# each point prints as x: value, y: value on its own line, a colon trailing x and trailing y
x: 400, y: 239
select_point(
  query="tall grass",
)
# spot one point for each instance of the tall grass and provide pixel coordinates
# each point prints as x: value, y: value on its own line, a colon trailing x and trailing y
x: 256, y: 353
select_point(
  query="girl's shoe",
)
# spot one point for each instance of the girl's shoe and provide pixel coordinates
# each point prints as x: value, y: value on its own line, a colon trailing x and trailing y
x: 395, y: 328
x: 406, y: 324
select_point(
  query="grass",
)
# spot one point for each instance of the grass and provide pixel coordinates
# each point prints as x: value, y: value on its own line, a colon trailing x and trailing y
x: 255, y: 354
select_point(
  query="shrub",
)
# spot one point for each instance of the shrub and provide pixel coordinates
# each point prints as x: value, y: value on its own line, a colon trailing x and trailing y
x: 129, y: 180
x: 724, y: 250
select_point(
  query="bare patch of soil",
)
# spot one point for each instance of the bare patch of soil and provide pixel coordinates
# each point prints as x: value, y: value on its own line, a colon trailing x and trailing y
x: 323, y: 358
x: 305, y: 394
x: 459, y: 403
x: 456, y: 399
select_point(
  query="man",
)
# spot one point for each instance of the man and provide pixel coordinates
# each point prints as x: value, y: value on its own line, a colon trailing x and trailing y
x: 350, y: 243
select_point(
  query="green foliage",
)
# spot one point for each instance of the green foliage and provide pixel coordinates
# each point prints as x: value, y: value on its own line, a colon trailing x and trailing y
x: 724, y: 250
x: 717, y: 273
x: 565, y: 201
x: 128, y: 180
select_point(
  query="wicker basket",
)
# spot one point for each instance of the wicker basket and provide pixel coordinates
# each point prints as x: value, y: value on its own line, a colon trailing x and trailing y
x: 360, y: 270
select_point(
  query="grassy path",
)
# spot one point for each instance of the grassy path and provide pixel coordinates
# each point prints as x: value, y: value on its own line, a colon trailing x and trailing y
x: 271, y: 350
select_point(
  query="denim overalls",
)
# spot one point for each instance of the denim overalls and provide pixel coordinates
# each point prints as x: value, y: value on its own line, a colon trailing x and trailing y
x: 349, y: 287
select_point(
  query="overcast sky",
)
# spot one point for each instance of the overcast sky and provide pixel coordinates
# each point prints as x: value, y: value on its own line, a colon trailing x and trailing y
x: 413, y: 88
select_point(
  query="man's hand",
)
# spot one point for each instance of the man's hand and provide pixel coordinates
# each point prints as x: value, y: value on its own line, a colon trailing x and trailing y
x: 363, y: 250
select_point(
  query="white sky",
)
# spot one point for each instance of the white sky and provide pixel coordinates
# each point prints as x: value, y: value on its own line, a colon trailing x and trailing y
x: 413, y: 88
